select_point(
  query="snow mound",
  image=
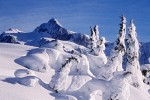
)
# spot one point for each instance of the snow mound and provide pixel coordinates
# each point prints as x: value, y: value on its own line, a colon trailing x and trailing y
x: 66, y: 97
x: 119, y: 87
x: 78, y: 81
x: 53, y: 44
x: 28, y: 81
x: 25, y: 77
x: 23, y: 73
x: 38, y: 61
x: 96, y: 62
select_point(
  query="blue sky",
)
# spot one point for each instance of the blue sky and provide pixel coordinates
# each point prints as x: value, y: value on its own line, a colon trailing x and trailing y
x: 77, y: 15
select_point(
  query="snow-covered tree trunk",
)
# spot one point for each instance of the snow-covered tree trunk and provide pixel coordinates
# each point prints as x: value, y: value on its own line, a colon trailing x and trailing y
x: 133, y: 57
x: 59, y: 80
x: 115, y: 61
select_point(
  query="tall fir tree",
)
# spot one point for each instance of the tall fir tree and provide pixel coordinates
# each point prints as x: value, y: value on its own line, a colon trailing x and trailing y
x: 115, y: 61
x: 119, y: 46
x: 99, y: 50
x: 92, y: 40
x: 97, y: 45
x: 133, y: 65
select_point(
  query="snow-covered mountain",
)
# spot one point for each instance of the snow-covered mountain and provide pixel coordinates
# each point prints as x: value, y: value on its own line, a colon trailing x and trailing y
x: 6, y: 36
x: 57, y: 31
x: 53, y: 63
x: 51, y: 29
x: 54, y: 29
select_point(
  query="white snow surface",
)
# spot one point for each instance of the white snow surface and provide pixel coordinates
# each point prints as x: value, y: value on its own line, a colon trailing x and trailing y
x: 22, y: 76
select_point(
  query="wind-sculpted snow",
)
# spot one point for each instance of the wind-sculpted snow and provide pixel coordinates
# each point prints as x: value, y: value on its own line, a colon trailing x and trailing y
x: 38, y: 61
x: 96, y: 62
x: 25, y: 77
x: 118, y: 87
x: 79, y: 83
x: 66, y: 97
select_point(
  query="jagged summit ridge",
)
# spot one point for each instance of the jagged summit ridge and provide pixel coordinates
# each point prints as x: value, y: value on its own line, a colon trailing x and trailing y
x: 57, y: 31
x: 52, y: 27
x: 54, y: 21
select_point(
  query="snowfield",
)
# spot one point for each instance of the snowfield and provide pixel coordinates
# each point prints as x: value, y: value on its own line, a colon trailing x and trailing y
x: 53, y: 63
x: 77, y: 85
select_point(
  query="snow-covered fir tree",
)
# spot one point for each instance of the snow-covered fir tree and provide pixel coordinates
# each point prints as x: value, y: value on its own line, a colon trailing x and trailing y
x: 93, y: 41
x: 119, y: 46
x: 99, y: 50
x: 97, y: 45
x: 115, y: 61
x: 133, y: 65
x: 59, y: 80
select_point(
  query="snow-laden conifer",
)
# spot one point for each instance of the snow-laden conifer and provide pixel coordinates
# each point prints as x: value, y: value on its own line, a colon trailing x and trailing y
x: 115, y: 61
x: 93, y: 41
x: 97, y: 45
x: 133, y: 57
x: 59, y: 80
x: 99, y: 50
x: 119, y: 46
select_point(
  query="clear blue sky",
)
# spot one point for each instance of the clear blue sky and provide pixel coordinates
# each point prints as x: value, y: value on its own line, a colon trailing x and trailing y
x: 77, y: 15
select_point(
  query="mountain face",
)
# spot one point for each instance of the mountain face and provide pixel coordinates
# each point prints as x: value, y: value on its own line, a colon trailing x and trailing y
x: 56, y: 31
x: 6, y: 36
x: 145, y: 53
x: 8, y: 39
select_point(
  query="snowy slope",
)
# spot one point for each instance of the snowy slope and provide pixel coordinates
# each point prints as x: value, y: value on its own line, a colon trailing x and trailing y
x: 77, y: 84
x: 9, y: 88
